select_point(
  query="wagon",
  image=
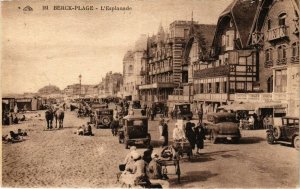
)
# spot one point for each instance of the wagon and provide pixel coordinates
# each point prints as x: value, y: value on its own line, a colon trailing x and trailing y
x: 183, y: 148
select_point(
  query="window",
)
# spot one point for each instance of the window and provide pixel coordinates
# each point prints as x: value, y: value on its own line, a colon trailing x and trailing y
x: 268, y: 55
x: 201, y: 88
x: 209, y: 88
x: 225, y: 87
x: 217, y: 87
x: 240, y: 86
x: 295, y: 49
x: 269, y: 24
x: 281, y: 19
x: 281, y: 53
x: 186, y: 33
x: 280, y: 80
x: 223, y: 40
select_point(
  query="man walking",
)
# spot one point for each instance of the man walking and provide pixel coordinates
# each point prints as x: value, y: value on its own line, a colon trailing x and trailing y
x: 200, y: 113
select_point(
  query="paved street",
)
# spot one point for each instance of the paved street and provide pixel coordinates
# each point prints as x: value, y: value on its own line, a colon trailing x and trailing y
x: 60, y: 158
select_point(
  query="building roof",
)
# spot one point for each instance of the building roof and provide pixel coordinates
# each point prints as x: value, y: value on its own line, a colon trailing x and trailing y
x: 242, y: 13
x: 128, y: 56
x: 204, y: 34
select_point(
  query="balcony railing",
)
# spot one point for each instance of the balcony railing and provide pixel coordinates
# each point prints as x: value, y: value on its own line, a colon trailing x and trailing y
x: 179, y: 98
x: 277, y: 33
x: 257, y: 38
x: 295, y: 59
x: 211, y: 97
x: 268, y: 63
x: 281, y: 61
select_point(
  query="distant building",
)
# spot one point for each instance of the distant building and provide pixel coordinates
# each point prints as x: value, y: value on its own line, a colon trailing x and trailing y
x: 49, y: 89
x: 134, y: 69
x: 110, y: 85
x: 164, y: 62
x: 77, y: 90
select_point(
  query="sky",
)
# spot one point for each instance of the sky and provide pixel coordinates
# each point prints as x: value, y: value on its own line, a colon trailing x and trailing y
x: 43, y: 47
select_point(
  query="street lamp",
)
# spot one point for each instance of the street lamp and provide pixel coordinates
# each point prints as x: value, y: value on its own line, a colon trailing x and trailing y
x: 80, y: 85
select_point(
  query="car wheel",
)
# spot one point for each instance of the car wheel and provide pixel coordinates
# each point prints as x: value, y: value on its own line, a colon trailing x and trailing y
x: 235, y: 140
x: 213, y: 138
x: 296, y: 142
x: 270, y: 138
x: 276, y: 132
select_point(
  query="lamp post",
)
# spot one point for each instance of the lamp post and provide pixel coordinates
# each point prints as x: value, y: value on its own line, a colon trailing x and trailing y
x: 80, y: 84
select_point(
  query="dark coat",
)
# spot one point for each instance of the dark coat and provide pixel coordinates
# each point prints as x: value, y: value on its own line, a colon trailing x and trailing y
x: 200, y: 136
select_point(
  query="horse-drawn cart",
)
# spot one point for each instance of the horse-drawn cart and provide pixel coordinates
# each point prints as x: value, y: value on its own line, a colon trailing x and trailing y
x: 168, y: 163
x: 183, y: 147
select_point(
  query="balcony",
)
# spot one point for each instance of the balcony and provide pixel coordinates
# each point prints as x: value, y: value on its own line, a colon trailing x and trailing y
x: 178, y: 98
x: 211, y: 97
x: 282, y: 61
x: 268, y: 63
x: 294, y: 60
x: 257, y: 38
x: 259, y: 97
x: 277, y: 33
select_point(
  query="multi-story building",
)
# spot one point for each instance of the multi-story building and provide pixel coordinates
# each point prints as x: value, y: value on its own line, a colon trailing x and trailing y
x: 166, y: 72
x: 275, y: 34
x: 196, y: 53
x: 77, y: 90
x: 110, y: 85
x: 134, y: 67
x: 231, y: 66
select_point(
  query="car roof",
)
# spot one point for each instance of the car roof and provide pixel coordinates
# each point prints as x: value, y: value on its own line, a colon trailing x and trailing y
x: 133, y: 117
x: 290, y: 117
x: 182, y: 104
x: 221, y: 114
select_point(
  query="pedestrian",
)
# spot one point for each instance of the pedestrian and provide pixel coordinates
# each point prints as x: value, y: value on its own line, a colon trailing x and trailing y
x: 165, y: 134
x: 200, y: 113
x: 166, y: 111
x: 147, y: 154
x: 190, y: 133
x: 200, y: 136
x: 143, y: 112
x: 152, y: 113
x: 178, y: 134
x: 255, y: 123
x: 114, y: 126
x: 178, y: 113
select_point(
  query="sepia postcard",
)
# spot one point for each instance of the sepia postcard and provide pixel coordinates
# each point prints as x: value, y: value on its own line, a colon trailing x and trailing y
x: 150, y: 93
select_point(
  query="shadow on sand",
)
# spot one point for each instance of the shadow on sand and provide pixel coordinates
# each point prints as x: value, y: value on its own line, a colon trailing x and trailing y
x: 192, y: 176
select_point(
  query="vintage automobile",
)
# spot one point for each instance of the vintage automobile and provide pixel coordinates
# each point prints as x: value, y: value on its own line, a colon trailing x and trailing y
x: 134, y: 131
x: 136, y: 104
x: 158, y: 107
x: 102, y: 118
x: 287, y: 132
x: 185, y: 110
x: 222, y: 125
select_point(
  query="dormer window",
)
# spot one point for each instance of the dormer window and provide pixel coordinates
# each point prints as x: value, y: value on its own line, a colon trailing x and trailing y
x: 281, y: 19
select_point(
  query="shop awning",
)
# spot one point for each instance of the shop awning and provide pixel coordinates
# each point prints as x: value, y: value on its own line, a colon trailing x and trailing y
x: 240, y: 106
x: 252, y: 105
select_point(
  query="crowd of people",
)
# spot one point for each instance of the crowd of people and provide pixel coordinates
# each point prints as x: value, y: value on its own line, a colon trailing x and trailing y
x: 145, y: 170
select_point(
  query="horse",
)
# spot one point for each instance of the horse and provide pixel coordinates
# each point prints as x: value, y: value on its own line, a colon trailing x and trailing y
x: 59, y: 116
x: 49, y: 118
